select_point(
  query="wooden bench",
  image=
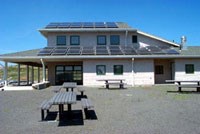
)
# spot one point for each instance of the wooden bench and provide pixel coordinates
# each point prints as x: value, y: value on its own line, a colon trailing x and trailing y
x: 188, y: 86
x: 45, y: 106
x: 86, y: 104
x: 41, y: 85
x: 81, y: 90
x: 121, y: 84
x: 57, y: 89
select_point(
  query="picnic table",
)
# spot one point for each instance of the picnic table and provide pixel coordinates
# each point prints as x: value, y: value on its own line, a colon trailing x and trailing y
x: 186, y: 84
x: 63, y: 98
x: 109, y: 82
x: 69, y: 85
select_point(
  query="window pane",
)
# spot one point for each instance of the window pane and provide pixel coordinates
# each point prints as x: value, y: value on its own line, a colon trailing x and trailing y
x: 61, y: 40
x: 59, y: 68
x: 189, y: 68
x: 68, y: 68
x: 118, y: 69
x: 101, y: 40
x: 134, y: 39
x: 159, y: 69
x: 77, y: 68
x: 74, y: 40
x: 101, y: 69
x: 114, y: 40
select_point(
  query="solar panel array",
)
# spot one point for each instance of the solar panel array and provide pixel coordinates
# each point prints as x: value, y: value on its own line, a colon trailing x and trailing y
x: 106, y: 50
x: 83, y: 25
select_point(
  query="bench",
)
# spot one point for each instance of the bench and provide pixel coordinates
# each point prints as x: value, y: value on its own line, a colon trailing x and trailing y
x: 45, y: 106
x: 57, y: 89
x: 86, y: 104
x: 188, y: 86
x: 81, y: 90
x: 121, y: 84
x: 41, y: 85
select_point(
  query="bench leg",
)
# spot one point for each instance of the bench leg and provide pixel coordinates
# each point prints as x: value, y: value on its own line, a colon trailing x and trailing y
x: 179, y: 89
x: 81, y: 93
x: 198, y: 89
x: 121, y: 86
x: 42, y: 114
x: 107, y: 86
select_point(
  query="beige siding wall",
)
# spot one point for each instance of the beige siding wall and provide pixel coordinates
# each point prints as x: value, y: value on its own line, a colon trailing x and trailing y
x: 143, y: 72
x: 90, y: 39
x: 180, y: 69
x: 90, y: 77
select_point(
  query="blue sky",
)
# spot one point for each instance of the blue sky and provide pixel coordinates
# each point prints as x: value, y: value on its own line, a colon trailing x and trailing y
x: 169, y: 19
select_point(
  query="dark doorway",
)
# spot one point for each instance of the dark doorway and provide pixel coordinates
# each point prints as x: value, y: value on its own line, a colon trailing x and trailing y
x: 69, y: 73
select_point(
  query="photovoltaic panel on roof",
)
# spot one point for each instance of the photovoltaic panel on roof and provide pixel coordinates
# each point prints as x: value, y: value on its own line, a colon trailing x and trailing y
x: 127, y: 50
x: 74, y: 51
x: 59, y: 51
x: 88, y: 25
x: 45, y: 52
x: 64, y: 25
x: 171, y: 51
x: 76, y: 25
x: 111, y: 25
x: 100, y: 25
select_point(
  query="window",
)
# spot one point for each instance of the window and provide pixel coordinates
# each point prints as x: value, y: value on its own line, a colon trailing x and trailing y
x: 61, y: 40
x: 74, y: 40
x: 114, y: 40
x: 159, y: 69
x: 118, y: 69
x: 189, y: 68
x: 101, y: 69
x: 101, y: 40
x: 134, y: 39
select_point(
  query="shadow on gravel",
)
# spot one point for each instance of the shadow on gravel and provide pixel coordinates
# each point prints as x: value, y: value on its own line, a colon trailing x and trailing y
x: 184, y: 92
x: 79, y: 97
x: 72, y: 118
x: 90, y: 114
x: 51, y: 116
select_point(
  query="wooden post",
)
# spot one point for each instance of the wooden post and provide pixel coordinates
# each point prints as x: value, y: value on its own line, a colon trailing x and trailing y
x: 18, y: 79
x: 38, y: 74
x: 27, y: 74
x: 32, y: 74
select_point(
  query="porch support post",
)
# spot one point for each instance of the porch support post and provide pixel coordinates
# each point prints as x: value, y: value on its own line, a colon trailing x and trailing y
x: 5, y: 69
x: 133, y: 83
x: 32, y: 74
x: 38, y: 74
x: 18, y: 78
x: 43, y: 71
x: 27, y: 74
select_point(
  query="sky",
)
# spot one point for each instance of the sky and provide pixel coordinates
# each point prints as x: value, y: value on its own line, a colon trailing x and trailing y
x: 168, y: 19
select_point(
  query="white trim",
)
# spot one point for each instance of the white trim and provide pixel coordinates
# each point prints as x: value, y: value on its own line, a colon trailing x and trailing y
x: 157, y: 38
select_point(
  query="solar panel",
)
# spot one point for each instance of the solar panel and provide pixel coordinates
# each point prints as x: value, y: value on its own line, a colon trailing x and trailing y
x: 88, y: 25
x: 143, y: 51
x: 59, y: 51
x: 171, y: 51
x: 128, y: 50
x: 45, y: 52
x: 64, y: 25
x: 111, y: 25
x: 100, y: 25
x: 76, y: 25
x: 52, y: 25
x: 74, y: 51
x: 88, y: 51
x: 101, y: 50
x: 115, y: 50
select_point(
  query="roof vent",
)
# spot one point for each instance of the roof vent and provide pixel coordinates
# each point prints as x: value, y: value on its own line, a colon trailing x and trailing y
x: 183, y: 43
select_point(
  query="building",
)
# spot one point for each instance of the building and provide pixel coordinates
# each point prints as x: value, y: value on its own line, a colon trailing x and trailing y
x: 87, y: 51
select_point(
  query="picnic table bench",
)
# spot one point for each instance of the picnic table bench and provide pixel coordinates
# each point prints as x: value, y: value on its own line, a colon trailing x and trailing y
x: 61, y: 99
x: 86, y: 104
x: 109, y: 82
x: 45, y: 106
x: 190, y: 84
x: 69, y: 85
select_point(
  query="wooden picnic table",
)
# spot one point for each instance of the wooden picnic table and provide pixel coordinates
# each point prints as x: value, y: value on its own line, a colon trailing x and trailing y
x: 113, y: 82
x: 69, y: 85
x: 63, y: 98
x: 182, y: 84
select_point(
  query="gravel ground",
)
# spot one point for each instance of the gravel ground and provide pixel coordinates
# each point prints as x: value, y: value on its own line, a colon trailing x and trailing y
x: 138, y: 110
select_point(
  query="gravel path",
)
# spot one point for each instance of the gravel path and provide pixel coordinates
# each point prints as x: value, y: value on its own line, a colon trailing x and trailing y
x: 140, y: 110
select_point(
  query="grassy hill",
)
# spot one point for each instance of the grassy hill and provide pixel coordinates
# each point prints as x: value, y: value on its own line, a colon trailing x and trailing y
x: 13, y: 73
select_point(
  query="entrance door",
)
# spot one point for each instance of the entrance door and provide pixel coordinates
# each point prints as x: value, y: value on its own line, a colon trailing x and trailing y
x: 69, y: 73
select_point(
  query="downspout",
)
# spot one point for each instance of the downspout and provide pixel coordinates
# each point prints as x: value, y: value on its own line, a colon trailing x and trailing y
x: 43, y: 70
x: 133, y: 83
x: 126, y: 36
